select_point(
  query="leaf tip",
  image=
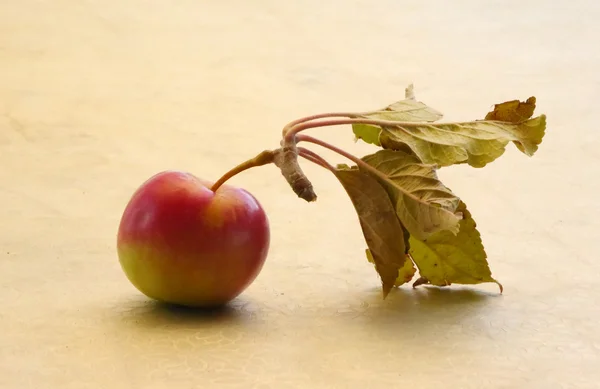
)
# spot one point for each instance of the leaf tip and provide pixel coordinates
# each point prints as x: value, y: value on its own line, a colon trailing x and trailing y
x: 385, y: 291
x: 409, y: 92
x: 536, y: 130
x: 499, y: 286
x: 543, y: 119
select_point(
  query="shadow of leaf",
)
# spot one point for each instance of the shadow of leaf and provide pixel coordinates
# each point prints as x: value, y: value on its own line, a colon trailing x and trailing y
x: 433, y: 297
x: 430, y: 309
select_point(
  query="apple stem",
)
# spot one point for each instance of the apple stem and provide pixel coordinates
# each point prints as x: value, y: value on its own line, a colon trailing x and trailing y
x: 263, y: 158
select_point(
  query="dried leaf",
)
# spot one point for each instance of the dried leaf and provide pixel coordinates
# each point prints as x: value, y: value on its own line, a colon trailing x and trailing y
x: 381, y: 228
x: 444, y: 258
x: 407, y: 272
x: 513, y: 111
x: 407, y: 110
x: 476, y: 143
x: 422, y: 203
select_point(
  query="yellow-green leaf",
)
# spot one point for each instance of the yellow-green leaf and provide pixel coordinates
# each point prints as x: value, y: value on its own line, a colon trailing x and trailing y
x: 407, y: 110
x: 367, y: 133
x: 476, y: 143
x: 422, y: 203
x: 381, y: 228
x: 444, y: 259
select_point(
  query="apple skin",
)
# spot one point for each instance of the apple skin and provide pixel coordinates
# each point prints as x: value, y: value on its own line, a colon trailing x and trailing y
x: 181, y: 243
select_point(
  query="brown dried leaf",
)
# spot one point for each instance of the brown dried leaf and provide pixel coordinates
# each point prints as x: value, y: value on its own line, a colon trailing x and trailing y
x: 422, y: 203
x: 380, y: 225
x: 513, y: 111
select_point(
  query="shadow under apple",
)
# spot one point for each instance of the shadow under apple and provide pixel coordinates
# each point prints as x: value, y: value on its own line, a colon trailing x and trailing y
x: 157, y: 314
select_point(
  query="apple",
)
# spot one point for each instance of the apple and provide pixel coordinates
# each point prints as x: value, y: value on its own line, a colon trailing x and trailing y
x: 181, y: 243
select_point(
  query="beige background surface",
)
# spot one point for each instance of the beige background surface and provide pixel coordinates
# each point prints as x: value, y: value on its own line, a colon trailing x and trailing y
x: 96, y: 96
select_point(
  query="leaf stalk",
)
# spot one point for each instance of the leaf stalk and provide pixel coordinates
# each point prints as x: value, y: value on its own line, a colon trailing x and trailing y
x: 359, y: 162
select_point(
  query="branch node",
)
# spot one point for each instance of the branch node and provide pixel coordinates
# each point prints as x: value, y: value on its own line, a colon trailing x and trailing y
x: 286, y: 159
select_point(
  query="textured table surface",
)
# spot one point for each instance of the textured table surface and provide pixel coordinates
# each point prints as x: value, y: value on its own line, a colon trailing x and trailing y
x: 96, y: 96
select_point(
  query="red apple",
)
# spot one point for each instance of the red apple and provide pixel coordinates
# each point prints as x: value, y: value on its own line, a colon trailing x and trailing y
x: 181, y: 243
